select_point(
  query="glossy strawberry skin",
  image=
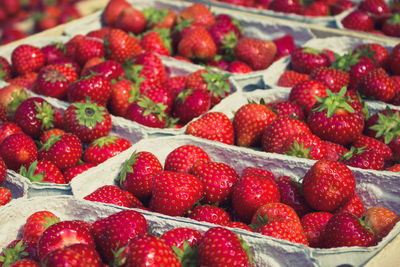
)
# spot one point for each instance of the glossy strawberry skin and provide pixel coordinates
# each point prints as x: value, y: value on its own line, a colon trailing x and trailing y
x: 98, y: 152
x: 290, y: 78
x: 354, y: 205
x: 313, y: 225
x: 97, y: 88
x: 51, y: 173
x: 191, y: 105
x: 183, y: 158
x: 109, y: 194
x: 377, y: 85
x: 5, y: 196
x: 177, y: 236
x: 109, y: 69
x: 369, y: 159
x: 197, y: 43
x: 358, y: 20
x: 73, y: 255
x: 17, y: 150
x: 258, y: 54
x: 210, y: 214
x: 333, y: 79
x: 200, y: 14
x: 381, y: 220
x: 284, y: 229
x: 8, y: 128
x: 88, y: 48
x: 27, y: 58
x: 273, y: 211
x: 304, y: 93
x: 304, y: 145
x: 304, y: 60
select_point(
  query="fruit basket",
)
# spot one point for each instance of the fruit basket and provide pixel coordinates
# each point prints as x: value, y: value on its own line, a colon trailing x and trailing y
x: 374, y: 188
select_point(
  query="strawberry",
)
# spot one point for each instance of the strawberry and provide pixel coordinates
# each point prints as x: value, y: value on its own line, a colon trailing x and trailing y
x: 199, y: 13
x: 136, y: 174
x: 183, y: 158
x: 109, y: 194
x: 258, y: 54
x: 285, y: 6
x: 284, y: 229
x: 378, y: 9
x: 285, y: 45
x: 160, y: 95
x: 159, y: 18
x: 249, y: 123
x: 62, y: 234
x: 341, y: 6
x: 225, y: 34
x: 210, y: 214
x: 251, y: 192
x: 5, y: 69
x: 391, y: 26
x: 175, y: 85
x: 197, y: 44
x: 239, y: 67
x: 51, y: 82
x: 380, y: 53
x: 279, y: 130
x: 27, y: 58
x: 346, y: 229
x: 287, y: 109
x: 273, y: 211
x: 89, y: 121
x: 120, y: 46
x: 18, y: 150
x: 290, y: 78
x: 157, y: 41
x: 115, y: 231
x: 10, y: 98
x: 305, y: 94
x: 43, y: 171
x: 35, y: 115
x: 358, y: 20
x: 218, y: 242
x: 184, y: 190
x: 364, y: 159
x: 7, y: 129
x: 328, y: 184
x: 306, y: 59
x: 74, y: 255
x: 87, y: 48
x: 96, y: 87
x: 53, y: 52
x: 3, y: 171
x: 147, y: 250
x: 25, y: 263
x: 381, y: 221
x: 394, y: 168
x: 123, y: 93
x: 47, y: 134
x: 113, y: 10
x: 64, y: 150
x: 215, y: 126
x: 334, y: 151
x: 394, y: 60
x: 109, y: 69
x: 239, y: 225
x: 316, y: 9
x: 26, y: 80
x: 258, y: 172
x: 304, y: 145
x: 5, y: 196
x: 146, y: 112
x: 377, y: 85
x: 190, y: 104
x: 178, y: 236
x: 131, y: 20
x: 354, y: 205
x: 314, y: 225
x: 333, y: 79
x: 103, y: 148
x: 373, y: 144
x: 72, y: 172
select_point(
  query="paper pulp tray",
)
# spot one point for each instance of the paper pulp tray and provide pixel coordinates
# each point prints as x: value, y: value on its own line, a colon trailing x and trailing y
x: 374, y: 188
x: 252, y: 27
x: 14, y: 215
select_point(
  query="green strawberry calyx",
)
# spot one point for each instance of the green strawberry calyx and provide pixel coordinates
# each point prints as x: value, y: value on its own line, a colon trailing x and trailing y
x: 260, y: 221
x: 187, y: 256
x: 127, y: 167
x: 133, y: 73
x: 298, y: 150
x: 246, y: 248
x: 311, y: 50
x: 13, y: 254
x: 183, y: 95
x: 154, y: 15
x: 228, y: 45
x: 353, y: 151
x: 184, y: 23
x: 119, y: 256
x: 3, y: 73
x: 150, y: 107
x: 30, y: 173
x: 164, y: 35
x: 105, y: 141
x: 53, y: 76
x: 333, y: 102
x: 387, y: 126
x: 46, y: 114
x: 217, y: 82
x: 394, y: 20
x: 17, y: 98
x: 50, y: 220
x: 50, y: 142
x: 89, y: 114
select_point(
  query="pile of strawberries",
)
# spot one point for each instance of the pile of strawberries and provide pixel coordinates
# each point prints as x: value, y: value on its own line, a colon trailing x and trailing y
x: 45, y: 14
x: 120, y: 239
x: 279, y: 207
x: 313, y: 8
x: 375, y: 16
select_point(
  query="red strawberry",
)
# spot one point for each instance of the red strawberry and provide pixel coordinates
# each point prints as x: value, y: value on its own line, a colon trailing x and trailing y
x: 5, y: 196
x: 131, y: 20
x: 380, y: 53
x: 273, y: 211
x: 62, y: 234
x: 5, y: 69
x: 88, y: 48
x: 109, y: 194
x: 197, y: 44
x: 287, y: 109
x: 96, y: 87
x: 113, y: 10
x: 51, y: 82
x: 358, y: 20
x: 239, y: 67
x: 89, y: 121
x: 258, y: 172
x: 183, y: 158
x: 103, y: 148
x: 25, y: 263
x: 64, y: 150
x: 72, y: 172
x: 394, y: 60
x: 364, y: 159
x: 123, y: 93
x: 378, y: 9
x: 391, y: 26
x: 314, y: 225
x: 284, y: 229
x: 18, y: 150
x: 252, y: 192
x: 190, y: 104
x: 394, y: 168
x: 285, y: 6
x: 137, y: 172
x: 147, y: 250
x: 115, y: 231
x: 249, y: 123
x: 3, y: 171
x: 184, y: 190
x: 175, y: 85
x: 332, y: 78
x: 340, y: 6
x: 354, y: 205
x: 239, y: 225
x: 346, y: 229
x: 334, y: 151
x: 178, y: 236
x: 47, y: 134
x: 157, y: 41
x: 160, y: 95
x: 214, y: 126
x: 27, y: 58
x: 225, y: 33
x: 279, y: 130
x: 284, y: 46
x: 290, y: 78
x: 43, y: 171
x: 373, y: 144
x: 199, y: 13
x: 328, y: 185
x: 53, y: 52
x: 377, y: 85
x: 306, y: 59
x: 316, y: 9
x: 26, y: 81
x: 159, y: 18
x: 381, y: 221
x: 218, y: 242
x: 11, y: 96
x: 304, y: 145
x: 258, y: 54
x: 210, y: 214
x: 74, y: 255
x: 109, y: 69
x: 146, y: 112
x: 121, y: 47
x: 8, y: 128
x: 305, y: 94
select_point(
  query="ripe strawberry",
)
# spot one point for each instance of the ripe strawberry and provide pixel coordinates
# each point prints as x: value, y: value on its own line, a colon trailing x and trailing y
x: 157, y: 41
x: 258, y: 172
x: 109, y: 69
x: 394, y: 168
x: 11, y: 96
x: 7, y: 129
x: 290, y: 78
x: 51, y: 82
x: 284, y: 46
x: 316, y: 9
x: 197, y: 44
x: 210, y: 214
x: 284, y: 229
x: 333, y: 79
x: 64, y: 150
x: 285, y: 6
x: 373, y: 144
x: 160, y: 95
x: 287, y: 109
x: 304, y: 145
x: 115, y: 231
x: 87, y: 48
x: 258, y: 54
x: 354, y: 205
x: 358, y: 20
x: 123, y: 93
x: 314, y: 225
x: 239, y: 225
x: 334, y: 151
x: 53, y: 52
x: 380, y: 53
x: 215, y: 126
x: 3, y: 171
x: 305, y: 94
x: 251, y: 192
x: 146, y: 112
x: 394, y: 60
x: 380, y: 220
x: 47, y: 134
x: 113, y: 10
x: 391, y: 26
x: 96, y: 87
x: 346, y: 229
x: 89, y: 121
x: 377, y: 85
x: 364, y: 159
x: 183, y: 158
x: 18, y: 150
x: 5, y: 69
x: 190, y: 104
x: 103, y: 148
x: 184, y: 190
x: 178, y: 236
x: 121, y: 47
x: 109, y: 194
x: 225, y: 34
x: 27, y: 58
x: 279, y: 130
x: 159, y: 18
x: 26, y: 81
x: 306, y: 59
x: 62, y: 234
x: 72, y: 172
x: 25, y: 263
x: 43, y: 171
x: 5, y: 196
x: 328, y: 184
x: 273, y: 211
x: 218, y: 242
x: 147, y: 250
x: 239, y: 67
x: 131, y: 20
x: 74, y: 255
x: 199, y: 13
x: 175, y: 85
